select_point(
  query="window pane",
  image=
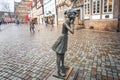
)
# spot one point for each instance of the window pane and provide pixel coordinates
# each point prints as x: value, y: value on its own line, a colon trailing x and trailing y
x: 110, y: 9
x: 87, y: 6
x: 96, y: 6
x: 108, y: 6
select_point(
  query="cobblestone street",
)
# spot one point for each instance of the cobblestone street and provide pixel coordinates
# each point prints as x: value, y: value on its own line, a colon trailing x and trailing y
x: 28, y: 56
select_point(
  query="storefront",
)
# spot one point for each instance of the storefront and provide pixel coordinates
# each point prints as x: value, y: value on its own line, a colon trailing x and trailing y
x: 36, y: 13
x: 62, y: 6
x: 49, y: 11
x: 40, y: 19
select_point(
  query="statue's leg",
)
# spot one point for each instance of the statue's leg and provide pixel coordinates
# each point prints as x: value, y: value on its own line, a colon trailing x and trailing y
x: 62, y: 59
x: 58, y: 62
x: 60, y: 73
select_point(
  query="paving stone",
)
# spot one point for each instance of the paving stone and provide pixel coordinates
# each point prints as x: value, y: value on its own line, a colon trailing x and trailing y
x: 104, y: 77
x: 86, y: 78
x: 110, y: 78
x: 93, y: 78
x: 99, y: 77
x: 27, y: 56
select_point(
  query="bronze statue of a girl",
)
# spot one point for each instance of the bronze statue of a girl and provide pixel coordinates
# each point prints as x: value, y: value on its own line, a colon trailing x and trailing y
x: 60, y: 46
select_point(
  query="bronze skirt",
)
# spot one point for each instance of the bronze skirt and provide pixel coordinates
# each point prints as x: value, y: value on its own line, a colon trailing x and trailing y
x: 60, y: 46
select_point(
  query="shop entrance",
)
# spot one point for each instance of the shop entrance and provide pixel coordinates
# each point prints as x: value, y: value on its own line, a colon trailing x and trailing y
x: 79, y: 15
x: 35, y: 20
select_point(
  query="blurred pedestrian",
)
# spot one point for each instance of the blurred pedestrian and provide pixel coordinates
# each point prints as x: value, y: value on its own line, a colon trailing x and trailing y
x: 38, y: 21
x: 51, y: 22
x: 46, y: 22
x: 17, y: 21
x: 0, y: 24
x: 32, y: 27
x: 39, y: 27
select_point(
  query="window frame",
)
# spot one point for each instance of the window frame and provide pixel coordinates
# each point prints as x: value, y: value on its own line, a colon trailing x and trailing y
x: 108, y: 7
x: 96, y: 6
x: 87, y: 10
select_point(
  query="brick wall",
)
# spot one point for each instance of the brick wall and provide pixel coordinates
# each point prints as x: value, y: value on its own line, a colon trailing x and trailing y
x: 116, y: 7
x: 104, y: 25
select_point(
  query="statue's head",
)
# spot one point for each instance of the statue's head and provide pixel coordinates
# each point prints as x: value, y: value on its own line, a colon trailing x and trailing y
x: 71, y: 14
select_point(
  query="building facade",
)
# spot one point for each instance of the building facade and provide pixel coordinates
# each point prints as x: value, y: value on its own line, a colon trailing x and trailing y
x: 50, y: 10
x: 6, y: 17
x: 21, y: 10
x: 61, y: 7
x: 101, y: 14
x: 36, y: 11
x: 97, y: 14
x: 7, y: 11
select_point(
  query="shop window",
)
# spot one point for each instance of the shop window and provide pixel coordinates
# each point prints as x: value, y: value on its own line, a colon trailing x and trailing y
x: 108, y: 6
x: 96, y: 6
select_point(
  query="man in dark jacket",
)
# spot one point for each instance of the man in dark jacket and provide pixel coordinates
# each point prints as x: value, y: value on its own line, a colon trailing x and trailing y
x: 52, y: 23
x: 0, y: 24
x: 32, y: 27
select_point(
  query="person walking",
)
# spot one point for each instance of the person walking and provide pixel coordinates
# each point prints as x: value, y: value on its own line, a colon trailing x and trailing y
x: 51, y: 22
x: 46, y: 22
x: 32, y: 26
x: 17, y: 21
x: 39, y: 25
x: 0, y: 24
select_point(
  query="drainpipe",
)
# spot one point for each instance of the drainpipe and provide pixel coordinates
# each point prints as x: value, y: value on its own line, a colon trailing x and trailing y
x: 118, y: 26
x: 56, y: 15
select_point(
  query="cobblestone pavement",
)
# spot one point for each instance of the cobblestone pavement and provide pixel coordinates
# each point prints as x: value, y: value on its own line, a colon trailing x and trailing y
x: 4, y: 26
x: 28, y: 56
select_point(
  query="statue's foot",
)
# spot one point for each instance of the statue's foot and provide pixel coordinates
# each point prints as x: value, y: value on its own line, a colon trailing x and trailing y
x: 61, y: 74
x: 65, y: 67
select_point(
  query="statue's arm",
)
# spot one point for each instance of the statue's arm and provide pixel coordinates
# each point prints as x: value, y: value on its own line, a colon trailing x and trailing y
x: 71, y: 29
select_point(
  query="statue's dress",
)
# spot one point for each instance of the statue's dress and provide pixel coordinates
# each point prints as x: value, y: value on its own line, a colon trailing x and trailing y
x: 60, y: 46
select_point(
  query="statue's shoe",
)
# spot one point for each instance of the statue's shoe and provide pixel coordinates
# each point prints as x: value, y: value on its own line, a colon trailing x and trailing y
x: 65, y: 67
x: 61, y: 74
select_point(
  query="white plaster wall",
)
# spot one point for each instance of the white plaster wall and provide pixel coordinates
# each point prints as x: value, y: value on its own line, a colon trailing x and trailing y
x: 110, y: 16
x: 95, y: 16
x: 49, y: 5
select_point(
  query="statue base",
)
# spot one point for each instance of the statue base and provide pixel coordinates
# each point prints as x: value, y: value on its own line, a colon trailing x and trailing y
x: 55, y: 76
